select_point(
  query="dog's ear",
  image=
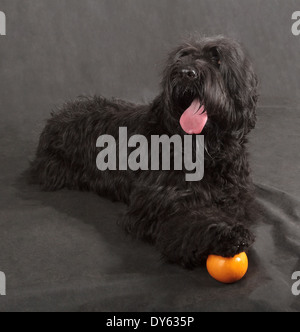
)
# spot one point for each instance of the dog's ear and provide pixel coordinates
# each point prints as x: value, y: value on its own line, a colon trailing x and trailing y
x: 242, y: 83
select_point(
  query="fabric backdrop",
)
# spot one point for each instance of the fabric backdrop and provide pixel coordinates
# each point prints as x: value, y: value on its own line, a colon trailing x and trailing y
x: 64, y: 251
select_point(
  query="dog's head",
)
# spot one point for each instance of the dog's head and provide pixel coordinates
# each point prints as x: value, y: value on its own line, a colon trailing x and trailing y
x: 210, y: 83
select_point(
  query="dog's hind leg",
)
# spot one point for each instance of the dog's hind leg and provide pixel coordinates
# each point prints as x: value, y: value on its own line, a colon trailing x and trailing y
x: 52, y: 167
x: 49, y: 171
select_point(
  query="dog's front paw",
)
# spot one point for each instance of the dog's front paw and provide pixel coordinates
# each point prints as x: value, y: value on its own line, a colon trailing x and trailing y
x: 232, y: 241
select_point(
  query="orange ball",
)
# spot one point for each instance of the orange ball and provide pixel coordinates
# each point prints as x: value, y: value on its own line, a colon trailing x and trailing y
x: 227, y: 270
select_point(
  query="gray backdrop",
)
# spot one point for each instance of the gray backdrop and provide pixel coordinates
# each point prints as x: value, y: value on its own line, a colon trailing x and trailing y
x: 59, y: 49
x: 63, y: 250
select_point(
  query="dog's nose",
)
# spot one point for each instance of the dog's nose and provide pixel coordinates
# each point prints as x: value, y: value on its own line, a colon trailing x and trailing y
x: 189, y: 73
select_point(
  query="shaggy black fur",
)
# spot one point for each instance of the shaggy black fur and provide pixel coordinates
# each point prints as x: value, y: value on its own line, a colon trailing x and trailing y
x: 185, y: 220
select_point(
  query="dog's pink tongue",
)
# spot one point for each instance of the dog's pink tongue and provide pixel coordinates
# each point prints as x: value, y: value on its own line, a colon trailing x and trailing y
x: 194, y: 119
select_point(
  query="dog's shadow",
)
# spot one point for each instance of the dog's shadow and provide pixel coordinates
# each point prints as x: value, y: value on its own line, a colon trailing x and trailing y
x: 102, y: 215
x: 133, y: 256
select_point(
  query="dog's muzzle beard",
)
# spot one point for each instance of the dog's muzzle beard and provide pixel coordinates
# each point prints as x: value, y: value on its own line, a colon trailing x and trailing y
x: 186, y: 87
x: 184, y: 95
x: 187, y: 98
x: 197, y: 95
x: 191, y: 109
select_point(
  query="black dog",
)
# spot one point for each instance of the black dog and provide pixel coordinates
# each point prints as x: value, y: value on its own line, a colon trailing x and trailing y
x: 185, y: 220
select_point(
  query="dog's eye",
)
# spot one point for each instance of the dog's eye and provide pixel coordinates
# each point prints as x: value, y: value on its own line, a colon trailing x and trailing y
x: 184, y: 54
x: 215, y: 56
x: 217, y: 61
